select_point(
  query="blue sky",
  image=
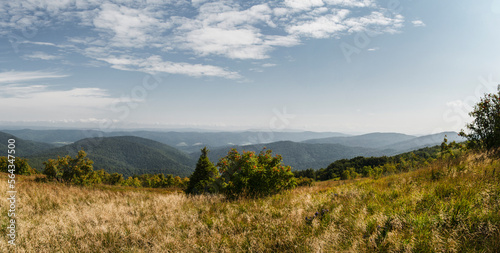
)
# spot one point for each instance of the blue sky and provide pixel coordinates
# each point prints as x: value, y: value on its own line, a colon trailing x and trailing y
x: 353, y: 66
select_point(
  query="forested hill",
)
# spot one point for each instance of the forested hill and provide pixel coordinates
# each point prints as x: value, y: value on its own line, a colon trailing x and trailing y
x: 302, y: 155
x: 22, y: 147
x: 397, y: 142
x: 127, y: 155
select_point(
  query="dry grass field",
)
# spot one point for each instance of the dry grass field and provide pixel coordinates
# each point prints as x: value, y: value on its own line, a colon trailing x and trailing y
x: 438, y: 208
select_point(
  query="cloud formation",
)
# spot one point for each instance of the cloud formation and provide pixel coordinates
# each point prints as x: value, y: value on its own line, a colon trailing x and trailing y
x: 21, y: 91
x: 418, y: 23
x: 146, y: 35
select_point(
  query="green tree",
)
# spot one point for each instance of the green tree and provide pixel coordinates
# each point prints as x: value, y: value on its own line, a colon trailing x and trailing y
x: 484, y: 131
x: 78, y: 170
x: 249, y: 175
x: 203, y: 179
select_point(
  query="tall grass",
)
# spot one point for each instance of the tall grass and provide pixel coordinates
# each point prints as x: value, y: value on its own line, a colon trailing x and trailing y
x: 445, y: 207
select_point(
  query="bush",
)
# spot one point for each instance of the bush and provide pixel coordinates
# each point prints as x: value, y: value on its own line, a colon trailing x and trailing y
x: 250, y: 175
x: 78, y: 170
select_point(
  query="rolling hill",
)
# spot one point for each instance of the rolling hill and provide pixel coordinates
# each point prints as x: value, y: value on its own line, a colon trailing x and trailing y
x: 302, y: 155
x: 425, y: 141
x: 127, y: 155
x: 23, y: 147
x: 396, y: 142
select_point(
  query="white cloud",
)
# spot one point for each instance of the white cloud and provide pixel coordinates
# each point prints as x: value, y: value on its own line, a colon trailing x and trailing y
x: 155, y: 64
x: 41, y: 56
x: 41, y: 102
x: 128, y: 27
x: 267, y: 65
x: 418, y: 23
x: 351, y: 3
x: 373, y: 49
x: 24, y: 76
x: 303, y: 4
x: 375, y: 23
x: 322, y: 26
x: 20, y: 91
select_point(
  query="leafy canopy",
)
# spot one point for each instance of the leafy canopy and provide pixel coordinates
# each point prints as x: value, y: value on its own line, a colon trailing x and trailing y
x: 78, y: 170
x: 247, y: 174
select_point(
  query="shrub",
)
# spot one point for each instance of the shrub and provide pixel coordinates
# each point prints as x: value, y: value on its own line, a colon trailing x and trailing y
x: 78, y: 170
x: 250, y: 175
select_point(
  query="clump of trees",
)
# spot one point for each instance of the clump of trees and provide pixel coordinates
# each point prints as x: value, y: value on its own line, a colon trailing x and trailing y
x: 248, y: 174
x: 78, y: 170
x: 484, y: 131
x: 243, y: 174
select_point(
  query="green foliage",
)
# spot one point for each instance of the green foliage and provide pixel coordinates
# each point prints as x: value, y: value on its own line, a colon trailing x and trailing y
x: 203, y: 179
x: 21, y: 166
x: 156, y: 181
x: 376, y: 167
x: 247, y: 174
x: 485, y: 129
x: 76, y: 170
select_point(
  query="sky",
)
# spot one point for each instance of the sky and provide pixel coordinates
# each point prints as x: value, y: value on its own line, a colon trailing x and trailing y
x: 352, y: 66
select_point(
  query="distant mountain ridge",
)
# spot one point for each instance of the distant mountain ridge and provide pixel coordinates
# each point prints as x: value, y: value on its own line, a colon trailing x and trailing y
x: 23, y: 147
x: 138, y: 155
x: 371, y: 140
x: 425, y: 141
x: 127, y: 155
x: 391, y: 141
x: 186, y: 141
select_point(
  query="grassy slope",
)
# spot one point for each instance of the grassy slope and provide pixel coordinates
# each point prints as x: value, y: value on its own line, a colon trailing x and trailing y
x: 434, y: 209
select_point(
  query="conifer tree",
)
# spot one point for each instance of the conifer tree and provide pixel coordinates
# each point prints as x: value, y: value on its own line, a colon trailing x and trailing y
x: 203, y: 178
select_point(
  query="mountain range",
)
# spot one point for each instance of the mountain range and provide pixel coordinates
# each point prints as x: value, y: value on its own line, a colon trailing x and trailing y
x: 177, y: 152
